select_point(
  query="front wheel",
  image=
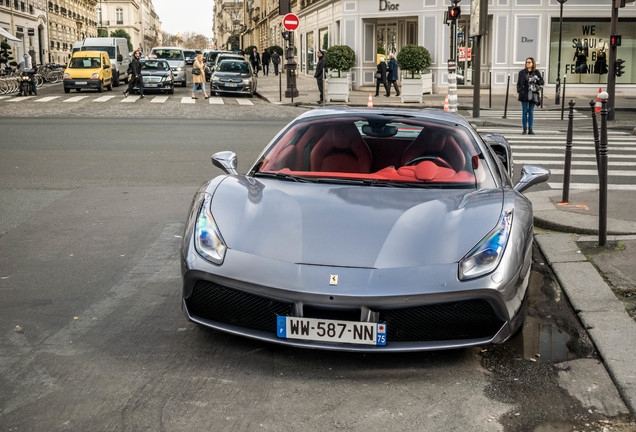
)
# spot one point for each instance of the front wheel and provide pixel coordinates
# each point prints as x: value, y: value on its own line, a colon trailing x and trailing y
x: 115, y: 80
x: 67, y: 90
x: 101, y: 87
x: 109, y: 87
x: 171, y: 91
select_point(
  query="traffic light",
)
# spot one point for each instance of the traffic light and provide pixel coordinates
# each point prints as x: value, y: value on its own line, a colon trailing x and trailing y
x: 619, y: 68
x: 285, y: 35
x: 454, y: 12
x: 615, y: 40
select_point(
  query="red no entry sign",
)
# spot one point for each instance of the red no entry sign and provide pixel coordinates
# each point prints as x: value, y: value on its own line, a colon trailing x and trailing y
x: 290, y: 22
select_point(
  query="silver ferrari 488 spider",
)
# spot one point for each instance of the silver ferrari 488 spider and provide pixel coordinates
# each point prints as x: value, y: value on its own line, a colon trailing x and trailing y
x: 364, y: 230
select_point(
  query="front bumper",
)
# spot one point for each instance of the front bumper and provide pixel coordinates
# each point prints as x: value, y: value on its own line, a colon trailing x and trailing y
x: 223, y: 87
x: 179, y: 76
x: 420, y: 312
x: 81, y: 83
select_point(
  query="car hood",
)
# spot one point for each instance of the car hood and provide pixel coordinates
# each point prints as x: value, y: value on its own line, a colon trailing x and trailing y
x: 155, y: 73
x: 233, y: 75
x: 176, y: 63
x: 353, y: 226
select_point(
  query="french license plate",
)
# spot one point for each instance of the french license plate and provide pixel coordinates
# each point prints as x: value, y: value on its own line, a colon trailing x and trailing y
x: 81, y: 82
x: 151, y: 85
x: 230, y: 85
x: 331, y: 330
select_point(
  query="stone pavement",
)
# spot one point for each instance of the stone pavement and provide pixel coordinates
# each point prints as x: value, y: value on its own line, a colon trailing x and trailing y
x: 564, y: 231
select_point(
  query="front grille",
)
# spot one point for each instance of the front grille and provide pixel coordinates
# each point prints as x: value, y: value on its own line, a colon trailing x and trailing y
x: 471, y: 319
x: 226, y: 305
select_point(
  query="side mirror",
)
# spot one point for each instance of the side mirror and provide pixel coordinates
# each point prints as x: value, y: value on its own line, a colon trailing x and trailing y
x: 106, y: 66
x: 120, y: 57
x: 530, y: 176
x: 226, y: 160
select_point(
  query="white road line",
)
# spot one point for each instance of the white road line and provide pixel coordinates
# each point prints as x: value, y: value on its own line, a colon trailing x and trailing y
x: 130, y: 99
x: 75, y: 99
x: 188, y: 100
x: 20, y: 98
x: 216, y: 101
x: 574, y: 163
x: 561, y: 156
x: 244, y: 101
x: 159, y: 99
x: 4, y: 97
x: 593, y: 186
x: 584, y: 172
x: 612, y: 148
x: 47, y: 99
x: 104, y: 98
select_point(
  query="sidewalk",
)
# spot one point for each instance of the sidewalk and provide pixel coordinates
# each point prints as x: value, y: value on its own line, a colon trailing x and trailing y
x: 563, y: 230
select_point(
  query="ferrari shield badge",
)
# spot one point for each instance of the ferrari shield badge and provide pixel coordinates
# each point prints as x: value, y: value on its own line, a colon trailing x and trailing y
x: 333, y: 280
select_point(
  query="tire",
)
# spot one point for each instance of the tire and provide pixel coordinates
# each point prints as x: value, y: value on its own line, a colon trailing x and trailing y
x: 171, y: 91
x: 100, y: 89
x: 115, y: 81
x: 67, y: 90
x: 109, y: 87
x: 185, y: 83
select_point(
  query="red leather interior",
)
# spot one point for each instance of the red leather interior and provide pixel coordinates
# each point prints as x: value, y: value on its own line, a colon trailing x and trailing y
x: 341, y: 149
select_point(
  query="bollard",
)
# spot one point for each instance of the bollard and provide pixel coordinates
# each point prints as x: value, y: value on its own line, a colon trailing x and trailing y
x: 507, y: 92
x: 568, y: 155
x: 541, y: 97
x: 563, y: 98
x: 595, y: 128
x: 602, y: 174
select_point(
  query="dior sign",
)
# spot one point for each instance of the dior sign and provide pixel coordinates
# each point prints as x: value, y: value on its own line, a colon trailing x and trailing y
x: 387, y: 5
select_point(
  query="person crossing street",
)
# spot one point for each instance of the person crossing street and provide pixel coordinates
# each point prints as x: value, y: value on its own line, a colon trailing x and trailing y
x: 135, y: 76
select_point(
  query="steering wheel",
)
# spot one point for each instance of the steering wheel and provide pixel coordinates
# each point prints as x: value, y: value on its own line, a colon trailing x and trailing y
x: 437, y: 160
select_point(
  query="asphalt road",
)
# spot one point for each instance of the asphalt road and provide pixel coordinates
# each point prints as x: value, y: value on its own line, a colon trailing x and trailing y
x: 92, y: 336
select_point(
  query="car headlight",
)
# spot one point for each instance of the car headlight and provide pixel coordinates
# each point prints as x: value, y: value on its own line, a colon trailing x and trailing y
x: 67, y: 76
x: 215, y: 79
x: 179, y: 69
x: 207, y: 238
x: 95, y: 76
x: 485, y: 256
x: 247, y: 81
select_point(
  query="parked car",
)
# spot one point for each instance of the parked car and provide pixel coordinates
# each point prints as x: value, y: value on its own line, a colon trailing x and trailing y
x: 234, y: 76
x: 358, y: 229
x: 88, y: 70
x: 174, y: 56
x: 157, y: 76
x: 226, y: 56
x: 190, y: 56
x: 209, y: 59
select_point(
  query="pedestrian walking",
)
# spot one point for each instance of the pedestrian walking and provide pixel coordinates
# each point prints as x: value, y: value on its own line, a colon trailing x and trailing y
x: 275, y: 61
x: 198, y: 76
x: 265, y: 62
x: 135, y: 76
x: 392, y: 75
x: 380, y: 77
x: 255, y: 59
x: 529, y: 84
x: 319, y: 74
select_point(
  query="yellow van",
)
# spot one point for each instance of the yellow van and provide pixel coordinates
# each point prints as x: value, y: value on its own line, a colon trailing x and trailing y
x: 88, y: 70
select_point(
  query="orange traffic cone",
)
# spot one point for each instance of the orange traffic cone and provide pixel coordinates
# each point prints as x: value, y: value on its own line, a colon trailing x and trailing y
x: 597, y: 107
x: 446, y: 104
x: 370, y: 103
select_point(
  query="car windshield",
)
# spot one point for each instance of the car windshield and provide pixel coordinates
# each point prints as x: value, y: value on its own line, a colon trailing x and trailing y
x: 158, y: 65
x: 189, y: 53
x: 233, y: 66
x: 222, y: 57
x: 85, y: 63
x: 378, y: 150
x: 169, y: 54
x: 109, y: 49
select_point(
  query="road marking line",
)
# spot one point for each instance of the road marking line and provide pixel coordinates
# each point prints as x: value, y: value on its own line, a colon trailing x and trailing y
x: 20, y: 98
x: 593, y: 186
x: 244, y: 102
x: 584, y: 172
x: 577, y: 163
x: 103, y: 98
x: 159, y: 99
x: 187, y: 100
x: 75, y: 99
x: 216, y: 101
x: 47, y: 99
x: 4, y: 97
x: 130, y: 99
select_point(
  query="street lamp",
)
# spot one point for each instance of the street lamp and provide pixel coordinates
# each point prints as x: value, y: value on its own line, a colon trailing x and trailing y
x: 557, y: 97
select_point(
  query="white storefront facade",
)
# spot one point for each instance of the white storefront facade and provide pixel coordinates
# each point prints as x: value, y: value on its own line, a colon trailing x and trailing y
x: 516, y: 29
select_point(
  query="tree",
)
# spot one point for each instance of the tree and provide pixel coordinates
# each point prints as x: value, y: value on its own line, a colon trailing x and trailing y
x: 5, y: 53
x: 102, y: 32
x: 413, y: 58
x: 121, y: 33
x: 168, y: 39
x: 340, y: 58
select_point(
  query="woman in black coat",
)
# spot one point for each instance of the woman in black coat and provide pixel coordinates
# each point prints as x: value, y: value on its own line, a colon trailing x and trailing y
x: 380, y: 78
x: 528, y: 78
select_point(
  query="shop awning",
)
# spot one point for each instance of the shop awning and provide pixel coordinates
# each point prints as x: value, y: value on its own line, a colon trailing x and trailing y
x: 8, y: 35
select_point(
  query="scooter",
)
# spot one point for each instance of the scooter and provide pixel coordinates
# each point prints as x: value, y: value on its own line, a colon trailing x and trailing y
x: 26, y: 82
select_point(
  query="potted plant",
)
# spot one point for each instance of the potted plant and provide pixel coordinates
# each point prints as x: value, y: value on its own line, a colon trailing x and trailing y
x: 339, y: 58
x: 414, y: 59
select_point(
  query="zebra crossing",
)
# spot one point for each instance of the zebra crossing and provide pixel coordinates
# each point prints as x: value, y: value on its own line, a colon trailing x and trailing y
x: 160, y: 99
x: 539, y: 114
x: 548, y: 150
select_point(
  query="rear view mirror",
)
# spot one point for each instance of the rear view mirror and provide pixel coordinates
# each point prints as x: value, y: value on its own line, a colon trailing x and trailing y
x: 226, y: 160
x: 530, y: 176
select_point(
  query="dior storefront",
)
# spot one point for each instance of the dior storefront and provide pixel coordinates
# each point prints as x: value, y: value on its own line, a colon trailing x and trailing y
x: 516, y: 29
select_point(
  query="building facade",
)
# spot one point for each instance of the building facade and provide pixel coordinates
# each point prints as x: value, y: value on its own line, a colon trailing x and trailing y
x: 137, y: 17
x: 516, y: 29
x: 25, y: 24
x: 69, y: 22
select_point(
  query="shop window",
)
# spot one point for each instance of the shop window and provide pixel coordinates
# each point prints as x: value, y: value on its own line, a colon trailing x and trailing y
x: 311, y: 55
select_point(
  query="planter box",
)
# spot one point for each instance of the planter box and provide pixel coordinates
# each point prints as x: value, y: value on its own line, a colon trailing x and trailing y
x: 412, y: 90
x: 427, y: 83
x: 338, y: 89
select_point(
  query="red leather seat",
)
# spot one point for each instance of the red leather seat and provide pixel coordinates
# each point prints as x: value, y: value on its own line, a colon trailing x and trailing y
x: 436, y: 144
x: 341, y: 149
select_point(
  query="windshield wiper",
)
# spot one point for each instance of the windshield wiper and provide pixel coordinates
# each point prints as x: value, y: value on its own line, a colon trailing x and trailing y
x: 283, y: 176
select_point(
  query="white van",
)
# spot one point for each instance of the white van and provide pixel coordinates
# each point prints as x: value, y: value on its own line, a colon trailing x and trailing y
x: 117, y: 49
